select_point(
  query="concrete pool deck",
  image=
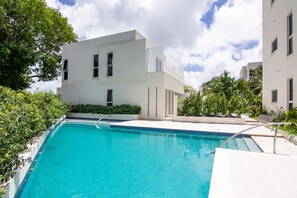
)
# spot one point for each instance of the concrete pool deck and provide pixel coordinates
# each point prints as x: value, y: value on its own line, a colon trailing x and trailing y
x: 240, y: 173
x: 261, y: 135
x: 253, y: 175
x: 219, y: 128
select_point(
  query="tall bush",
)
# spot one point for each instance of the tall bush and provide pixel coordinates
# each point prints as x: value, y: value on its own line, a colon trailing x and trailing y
x: 23, y: 116
x: 291, y: 116
x: 222, y: 96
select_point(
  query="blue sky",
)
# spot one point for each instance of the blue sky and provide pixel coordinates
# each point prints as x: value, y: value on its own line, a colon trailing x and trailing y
x: 68, y: 2
x: 205, y: 37
x: 208, y: 17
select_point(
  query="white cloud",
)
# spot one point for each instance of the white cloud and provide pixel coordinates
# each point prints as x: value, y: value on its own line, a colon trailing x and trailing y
x: 46, y: 86
x: 235, y: 24
x: 176, y: 25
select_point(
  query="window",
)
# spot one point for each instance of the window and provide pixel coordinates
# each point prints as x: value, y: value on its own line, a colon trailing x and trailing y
x: 290, y: 33
x: 158, y: 65
x: 109, y: 97
x: 290, y: 89
x: 274, y: 45
x: 96, y: 66
x: 251, y: 74
x: 65, y: 70
x: 274, y: 96
x: 109, y: 64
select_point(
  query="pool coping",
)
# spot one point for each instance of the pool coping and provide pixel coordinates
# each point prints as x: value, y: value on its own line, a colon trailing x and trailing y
x: 187, y: 131
x: 201, y: 127
x: 12, y: 186
x: 248, y: 174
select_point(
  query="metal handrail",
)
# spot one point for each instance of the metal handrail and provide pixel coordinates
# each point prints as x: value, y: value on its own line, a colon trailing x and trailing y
x: 233, y: 136
x: 276, y: 130
x: 98, y: 121
x: 271, y: 124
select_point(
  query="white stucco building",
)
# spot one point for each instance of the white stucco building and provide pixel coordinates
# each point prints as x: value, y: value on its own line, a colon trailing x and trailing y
x: 247, y: 71
x: 123, y: 68
x: 279, y: 54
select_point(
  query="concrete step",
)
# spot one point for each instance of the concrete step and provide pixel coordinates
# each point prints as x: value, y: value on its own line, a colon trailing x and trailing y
x: 252, y: 145
x: 241, y: 144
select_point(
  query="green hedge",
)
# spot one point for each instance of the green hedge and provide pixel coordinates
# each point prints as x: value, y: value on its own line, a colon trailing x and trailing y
x: 289, y: 116
x: 23, y: 116
x: 100, y: 109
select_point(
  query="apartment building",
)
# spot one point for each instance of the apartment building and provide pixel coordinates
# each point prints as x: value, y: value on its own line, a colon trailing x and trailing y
x: 123, y: 68
x: 247, y: 72
x: 279, y: 54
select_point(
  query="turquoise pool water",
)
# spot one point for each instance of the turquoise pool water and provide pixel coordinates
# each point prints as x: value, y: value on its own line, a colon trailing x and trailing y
x: 82, y: 161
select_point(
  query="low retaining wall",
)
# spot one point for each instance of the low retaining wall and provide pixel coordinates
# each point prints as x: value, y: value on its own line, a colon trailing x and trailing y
x: 13, y: 184
x: 218, y: 120
x: 97, y: 116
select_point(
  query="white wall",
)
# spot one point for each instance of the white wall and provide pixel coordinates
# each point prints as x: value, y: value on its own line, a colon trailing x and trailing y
x: 133, y: 74
x: 278, y: 66
x: 153, y: 53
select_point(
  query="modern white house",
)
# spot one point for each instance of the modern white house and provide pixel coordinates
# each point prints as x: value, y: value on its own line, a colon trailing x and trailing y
x: 123, y: 68
x: 279, y: 54
x: 247, y: 72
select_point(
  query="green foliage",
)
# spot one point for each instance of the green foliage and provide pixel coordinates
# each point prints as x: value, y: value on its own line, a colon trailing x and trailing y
x: 256, y: 83
x: 222, y: 96
x: 31, y: 36
x: 291, y: 116
x: 100, y: 109
x: 23, y: 116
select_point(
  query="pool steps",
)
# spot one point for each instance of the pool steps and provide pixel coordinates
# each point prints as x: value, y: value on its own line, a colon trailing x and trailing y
x: 243, y: 144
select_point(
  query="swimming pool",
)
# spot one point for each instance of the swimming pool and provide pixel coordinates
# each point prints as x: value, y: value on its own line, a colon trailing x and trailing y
x: 80, y: 160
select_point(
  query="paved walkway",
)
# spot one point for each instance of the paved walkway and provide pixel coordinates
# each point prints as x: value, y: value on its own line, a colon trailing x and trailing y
x: 223, y: 128
x: 253, y: 175
x: 261, y: 135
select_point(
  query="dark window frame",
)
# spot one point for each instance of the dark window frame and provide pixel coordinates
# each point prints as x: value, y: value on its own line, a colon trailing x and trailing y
x: 290, y: 33
x: 109, y: 98
x: 274, y: 45
x: 65, y: 69
x: 291, y: 89
x: 96, y: 66
x: 290, y: 93
x: 110, y: 64
x: 274, y: 95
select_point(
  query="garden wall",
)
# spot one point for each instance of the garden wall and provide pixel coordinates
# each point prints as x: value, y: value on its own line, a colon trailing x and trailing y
x: 217, y: 120
x: 121, y: 117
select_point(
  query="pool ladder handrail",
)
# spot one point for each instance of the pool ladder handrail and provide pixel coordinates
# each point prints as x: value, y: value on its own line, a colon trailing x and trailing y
x: 98, y: 121
x: 264, y: 118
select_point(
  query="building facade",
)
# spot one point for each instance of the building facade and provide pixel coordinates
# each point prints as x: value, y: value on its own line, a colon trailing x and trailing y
x: 247, y: 71
x: 123, y: 68
x: 279, y: 54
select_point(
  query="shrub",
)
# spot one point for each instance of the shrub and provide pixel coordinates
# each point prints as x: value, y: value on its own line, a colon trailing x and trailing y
x: 23, y: 116
x: 100, y: 109
x: 291, y: 116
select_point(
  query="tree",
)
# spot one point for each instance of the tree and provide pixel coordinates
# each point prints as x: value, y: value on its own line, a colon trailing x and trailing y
x: 256, y: 82
x: 225, y: 95
x: 31, y: 36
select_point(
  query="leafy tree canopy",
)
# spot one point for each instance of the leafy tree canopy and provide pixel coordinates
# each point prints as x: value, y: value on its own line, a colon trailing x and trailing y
x: 224, y: 96
x: 31, y: 36
x: 256, y: 82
